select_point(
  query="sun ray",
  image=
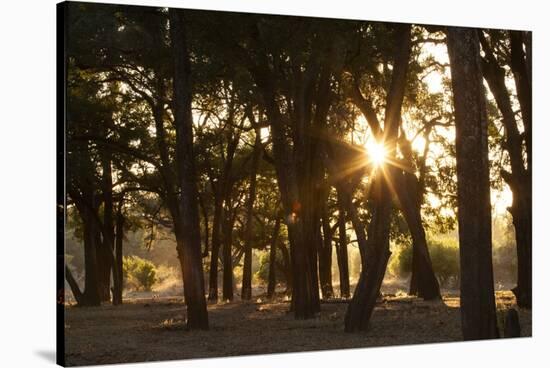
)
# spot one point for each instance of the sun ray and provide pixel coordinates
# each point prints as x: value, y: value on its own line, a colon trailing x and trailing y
x: 376, y: 153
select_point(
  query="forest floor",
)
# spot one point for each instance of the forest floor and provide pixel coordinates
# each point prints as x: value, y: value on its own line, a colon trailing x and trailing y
x: 153, y: 329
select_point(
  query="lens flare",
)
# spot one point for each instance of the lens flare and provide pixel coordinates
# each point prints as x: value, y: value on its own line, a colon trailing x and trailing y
x: 376, y: 153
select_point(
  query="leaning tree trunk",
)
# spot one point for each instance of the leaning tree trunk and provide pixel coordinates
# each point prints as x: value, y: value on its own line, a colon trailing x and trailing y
x: 246, y: 292
x: 410, y: 194
x: 423, y: 280
x: 78, y: 296
x: 370, y: 280
x: 193, y: 278
x: 477, y: 298
x: 368, y: 287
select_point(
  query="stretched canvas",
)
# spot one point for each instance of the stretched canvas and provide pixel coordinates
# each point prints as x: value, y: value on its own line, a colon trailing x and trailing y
x: 237, y: 183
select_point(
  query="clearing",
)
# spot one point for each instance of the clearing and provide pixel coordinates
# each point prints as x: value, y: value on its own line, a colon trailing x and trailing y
x: 153, y: 329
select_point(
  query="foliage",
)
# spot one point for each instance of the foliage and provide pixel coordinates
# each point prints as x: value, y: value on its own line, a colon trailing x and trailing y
x: 445, y: 260
x: 140, y: 272
x: 120, y: 98
x: 262, y: 275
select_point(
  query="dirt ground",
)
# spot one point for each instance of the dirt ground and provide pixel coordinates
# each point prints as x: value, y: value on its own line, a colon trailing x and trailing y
x: 153, y: 329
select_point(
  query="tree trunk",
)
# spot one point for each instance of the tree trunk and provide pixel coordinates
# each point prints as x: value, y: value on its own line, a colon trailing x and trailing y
x: 519, y: 179
x: 119, y: 239
x: 91, y: 296
x: 227, y: 237
x: 108, y: 222
x: 272, y: 279
x: 222, y: 197
x: 287, y: 270
x: 325, y: 257
x: 522, y: 219
x: 423, y: 280
x: 214, y: 257
x: 204, y: 212
x: 193, y: 278
x: 368, y: 288
x: 477, y: 299
x: 294, y: 176
x: 246, y: 292
x: 103, y: 269
x: 342, y: 249
x: 346, y: 197
x: 521, y: 67
x: 78, y: 296
x: 370, y: 280
x: 511, y: 324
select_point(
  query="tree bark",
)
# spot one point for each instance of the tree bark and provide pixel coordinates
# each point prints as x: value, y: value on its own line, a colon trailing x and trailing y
x: 108, y: 220
x: 246, y: 293
x: 368, y: 288
x: 190, y: 250
x: 295, y: 172
x: 287, y: 268
x: 220, y: 231
x: 78, y: 296
x: 325, y: 257
x: 227, y: 237
x: 423, y: 280
x: 519, y: 179
x: 477, y: 299
x: 342, y: 250
x: 103, y: 269
x: 272, y: 278
x: 204, y: 212
x: 521, y: 67
x: 119, y: 239
x: 370, y: 280
x: 214, y: 256
x: 91, y: 296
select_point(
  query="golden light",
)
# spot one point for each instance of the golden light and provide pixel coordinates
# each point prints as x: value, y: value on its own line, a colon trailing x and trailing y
x: 376, y: 153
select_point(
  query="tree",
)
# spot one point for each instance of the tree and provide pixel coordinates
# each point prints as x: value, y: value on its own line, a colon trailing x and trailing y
x: 405, y: 185
x: 246, y: 293
x: 515, y: 143
x: 189, y: 250
x: 368, y: 287
x: 477, y: 299
x: 272, y: 259
x: 311, y: 63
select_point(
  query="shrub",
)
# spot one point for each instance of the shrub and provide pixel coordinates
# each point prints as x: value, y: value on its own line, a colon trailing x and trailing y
x: 262, y: 275
x: 505, y: 263
x: 141, y: 272
x: 263, y: 271
x: 444, y: 256
x: 446, y: 262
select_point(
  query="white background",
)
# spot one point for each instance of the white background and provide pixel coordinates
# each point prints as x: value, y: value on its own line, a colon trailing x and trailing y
x: 27, y: 181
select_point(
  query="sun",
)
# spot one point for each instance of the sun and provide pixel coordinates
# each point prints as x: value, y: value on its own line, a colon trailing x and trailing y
x: 376, y: 153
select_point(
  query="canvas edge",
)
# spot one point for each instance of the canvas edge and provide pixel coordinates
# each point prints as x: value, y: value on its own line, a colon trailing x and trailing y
x: 61, y: 28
